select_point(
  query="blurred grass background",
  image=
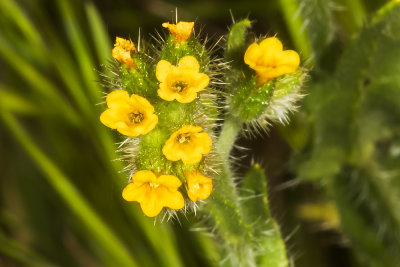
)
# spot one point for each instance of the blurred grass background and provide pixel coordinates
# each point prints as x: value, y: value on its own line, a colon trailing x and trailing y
x: 60, y: 182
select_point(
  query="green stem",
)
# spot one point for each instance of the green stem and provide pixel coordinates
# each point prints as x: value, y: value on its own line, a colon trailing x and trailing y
x: 71, y: 196
x: 225, y: 184
x: 229, y: 133
x: 223, y: 206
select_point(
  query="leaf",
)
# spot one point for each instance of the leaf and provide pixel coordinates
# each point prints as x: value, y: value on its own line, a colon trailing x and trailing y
x: 255, y: 209
x: 318, y: 24
x: 236, y: 43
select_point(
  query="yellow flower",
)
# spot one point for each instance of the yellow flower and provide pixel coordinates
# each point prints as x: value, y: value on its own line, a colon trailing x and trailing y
x: 182, y: 82
x: 198, y: 185
x: 153, y: 193
x: 122, y: 51
x: 181, y: 30
x: 131, y: 116
x: 269, y: 60
x: 189, y: 144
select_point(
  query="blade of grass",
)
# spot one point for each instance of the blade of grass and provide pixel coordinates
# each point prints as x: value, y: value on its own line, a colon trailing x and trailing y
x: 15, y: 103
x: 80, y: 49
x: 26, y: 26
x: 70, y: 195
x: 99, y: 33
x: 21, y: 254
x: 40, y: 83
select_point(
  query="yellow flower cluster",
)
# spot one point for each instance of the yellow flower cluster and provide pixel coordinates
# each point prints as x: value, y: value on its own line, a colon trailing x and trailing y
x: 134, y: 115
x: 269, y: 60
x: 122, y: 51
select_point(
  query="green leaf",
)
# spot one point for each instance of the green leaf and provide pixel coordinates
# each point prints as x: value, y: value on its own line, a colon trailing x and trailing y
x: 236, y: 43
x: 318, y: 24
x: 255, y: 209
x: 368, y: 209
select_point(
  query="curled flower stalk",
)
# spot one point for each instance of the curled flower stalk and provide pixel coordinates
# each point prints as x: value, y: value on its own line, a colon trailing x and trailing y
x: 169, y: 103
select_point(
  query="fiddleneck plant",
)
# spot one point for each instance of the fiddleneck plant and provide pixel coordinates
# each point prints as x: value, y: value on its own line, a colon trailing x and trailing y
x: 181, y: 108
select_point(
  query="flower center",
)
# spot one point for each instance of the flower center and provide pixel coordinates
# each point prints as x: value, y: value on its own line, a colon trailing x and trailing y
x: 136, y: 117
x: 154, y: 185
x: 179, y: 86
x: 196, y: 186
x: 183, y: 138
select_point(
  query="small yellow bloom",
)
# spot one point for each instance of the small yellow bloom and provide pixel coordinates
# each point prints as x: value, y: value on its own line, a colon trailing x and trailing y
x: 131, y: 116
x: 122, y: 51
x: 181, y: 82
x: 269, y: 60
x: 198, y: 185
x: 153, y: 193
x: 189, y: 144
x: 181, y: 30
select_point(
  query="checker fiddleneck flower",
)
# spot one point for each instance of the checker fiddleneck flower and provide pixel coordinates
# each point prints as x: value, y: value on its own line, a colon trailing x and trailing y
x: 131, y: 116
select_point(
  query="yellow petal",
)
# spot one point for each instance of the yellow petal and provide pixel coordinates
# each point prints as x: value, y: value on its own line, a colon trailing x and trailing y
x: 144, y: 176
x: 189, y: 63
x: 112, y: 118
x: 174, y: 200
x: 170, y: 152
x: 169, y: 181
x: 190, y: 129
x: 271, y: 43
x: 200, y: 81
x: 150, y: 122
x: 252, y: 54
x: 142, y: 102
x: 132, y: 131
x: 163, y: 69
x: 205, y: 191
x: 151, y: 206
x: 118, y: 99
x: 186, y: 98
x: 290, y: 58
x: 165, y: 93
x: 204, y: 141
x: 191, y: 158
x: 133, y: 192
